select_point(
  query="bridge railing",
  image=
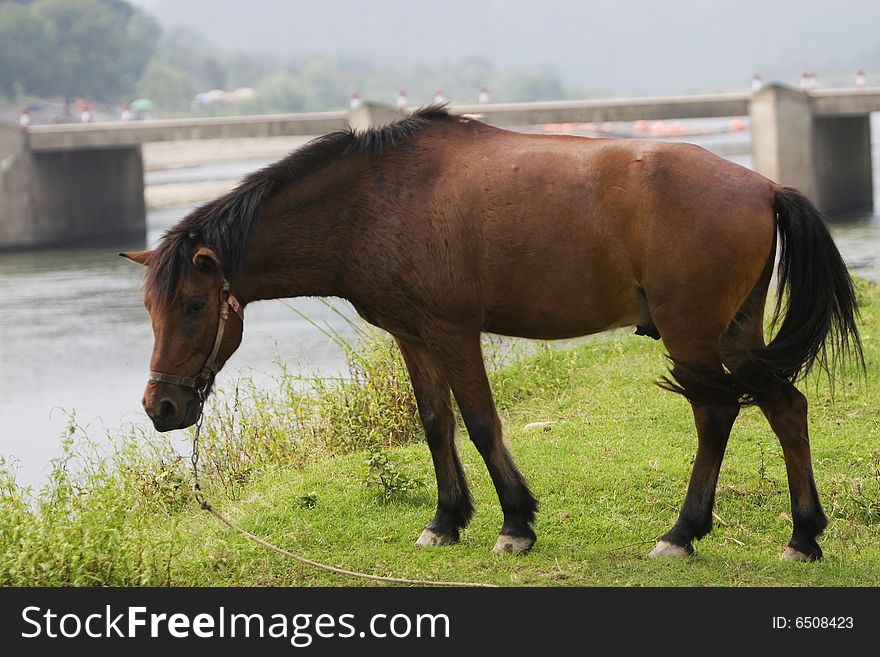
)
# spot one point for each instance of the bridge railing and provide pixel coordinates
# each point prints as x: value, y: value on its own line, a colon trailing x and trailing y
x: 76, y: 136
x: 610, y: 109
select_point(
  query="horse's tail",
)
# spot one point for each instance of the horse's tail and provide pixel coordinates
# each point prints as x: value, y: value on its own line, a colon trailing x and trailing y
x: 816, y: 312
x: 819, y: 319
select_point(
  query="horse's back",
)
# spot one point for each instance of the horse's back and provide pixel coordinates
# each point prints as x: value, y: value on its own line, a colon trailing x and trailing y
x: 553, y: 236
x: 571, y: 230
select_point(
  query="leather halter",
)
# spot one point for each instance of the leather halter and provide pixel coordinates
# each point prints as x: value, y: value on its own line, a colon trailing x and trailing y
x: 202, y: 381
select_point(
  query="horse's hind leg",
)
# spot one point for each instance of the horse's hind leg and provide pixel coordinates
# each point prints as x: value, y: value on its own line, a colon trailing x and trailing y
x: 696, y: 355
x: 462, y: 359
x: 785, y: 408
x: 713, y: 319
x: 454, y: 507
x: 787, y: 413
x: 714, y: 421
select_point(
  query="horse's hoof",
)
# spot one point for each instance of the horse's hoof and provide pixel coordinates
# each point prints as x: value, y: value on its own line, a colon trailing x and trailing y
x: 791, y: 554
x: 513, y: 544
x: 433, y: 539
x: 667, y: 549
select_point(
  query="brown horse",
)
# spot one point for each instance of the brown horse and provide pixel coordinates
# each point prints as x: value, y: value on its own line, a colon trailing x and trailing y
x: 437, y: 228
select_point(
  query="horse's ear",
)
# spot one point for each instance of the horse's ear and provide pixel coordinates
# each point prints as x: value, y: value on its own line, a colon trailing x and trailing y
x: 205, y: 259
x: 140, y: 257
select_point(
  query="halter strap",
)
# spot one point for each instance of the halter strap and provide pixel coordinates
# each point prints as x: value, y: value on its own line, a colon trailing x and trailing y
x: 203, y: 379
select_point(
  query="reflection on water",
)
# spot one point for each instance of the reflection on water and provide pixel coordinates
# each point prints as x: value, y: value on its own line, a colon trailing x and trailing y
x: 74, y: 334
x: 859, y: 242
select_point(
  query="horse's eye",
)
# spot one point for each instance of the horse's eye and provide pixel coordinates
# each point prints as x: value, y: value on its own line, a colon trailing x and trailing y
x: 194, y: 307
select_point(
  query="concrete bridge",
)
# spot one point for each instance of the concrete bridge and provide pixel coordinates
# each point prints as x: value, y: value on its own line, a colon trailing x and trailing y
x: 61, y: 184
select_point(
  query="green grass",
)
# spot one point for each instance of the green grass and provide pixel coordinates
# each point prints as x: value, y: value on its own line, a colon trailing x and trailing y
x: 338, y: 472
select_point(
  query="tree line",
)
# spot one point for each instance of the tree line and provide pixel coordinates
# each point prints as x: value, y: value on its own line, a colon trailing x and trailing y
x: 74, y: 48
x: 112, y: 51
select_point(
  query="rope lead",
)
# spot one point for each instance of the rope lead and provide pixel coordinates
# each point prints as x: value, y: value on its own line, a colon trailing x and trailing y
x: 204, y: 504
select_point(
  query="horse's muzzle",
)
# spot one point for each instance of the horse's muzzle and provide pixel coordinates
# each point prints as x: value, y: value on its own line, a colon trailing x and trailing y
x: 171, y: 411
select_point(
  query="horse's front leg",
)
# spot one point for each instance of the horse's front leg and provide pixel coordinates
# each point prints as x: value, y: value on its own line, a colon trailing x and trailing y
x: 454, y: 507
x: 462, y: 360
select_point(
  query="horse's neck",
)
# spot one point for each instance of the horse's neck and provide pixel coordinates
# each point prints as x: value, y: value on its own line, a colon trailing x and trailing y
x: 297, y: 248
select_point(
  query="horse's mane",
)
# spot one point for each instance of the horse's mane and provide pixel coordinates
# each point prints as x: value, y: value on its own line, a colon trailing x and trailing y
x: 225, y: 224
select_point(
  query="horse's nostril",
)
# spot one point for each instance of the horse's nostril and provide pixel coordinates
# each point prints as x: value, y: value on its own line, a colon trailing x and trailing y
x: 167, y: 409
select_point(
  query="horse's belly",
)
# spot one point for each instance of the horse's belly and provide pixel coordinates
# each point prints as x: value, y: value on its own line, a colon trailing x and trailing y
x: 553, y: 315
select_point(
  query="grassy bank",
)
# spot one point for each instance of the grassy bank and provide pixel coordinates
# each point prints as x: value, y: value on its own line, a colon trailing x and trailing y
x: 337, y: 471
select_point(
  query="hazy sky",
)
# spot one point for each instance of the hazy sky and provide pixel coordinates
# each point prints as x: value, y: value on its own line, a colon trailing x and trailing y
x: 619, y: 46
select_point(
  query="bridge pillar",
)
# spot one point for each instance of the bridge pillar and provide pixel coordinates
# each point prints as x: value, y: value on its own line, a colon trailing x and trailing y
x: 842, y: 153
x: 15, y: 190
x: 60, y: 198
x: 89, y: 195
x: 827, y: 158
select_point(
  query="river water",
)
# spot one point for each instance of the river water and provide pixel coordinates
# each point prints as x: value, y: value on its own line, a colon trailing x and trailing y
x: 74, y: 336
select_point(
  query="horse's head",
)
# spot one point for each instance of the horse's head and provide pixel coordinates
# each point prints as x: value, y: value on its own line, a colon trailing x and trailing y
x: 197, y: 325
